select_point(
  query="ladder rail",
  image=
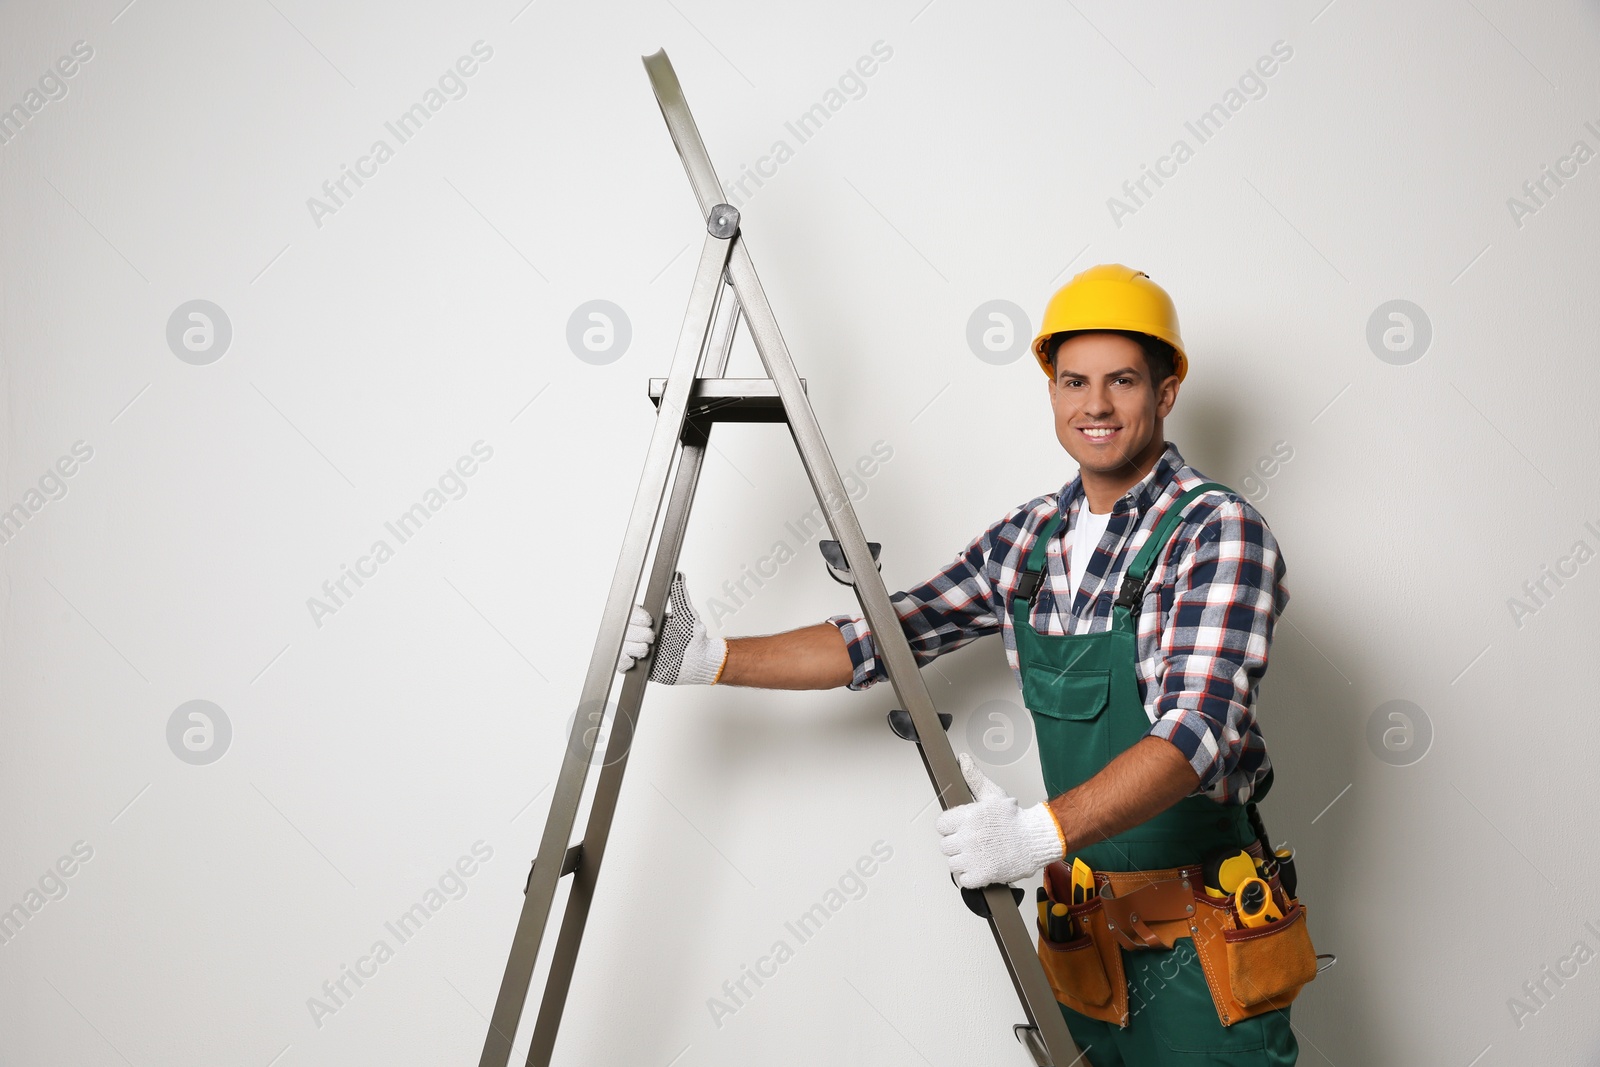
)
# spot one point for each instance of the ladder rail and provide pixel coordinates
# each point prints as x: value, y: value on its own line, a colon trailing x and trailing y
x: 625, y: 719
x: 685, y: 134
x: 664, y: 445
x: 1005, y: 921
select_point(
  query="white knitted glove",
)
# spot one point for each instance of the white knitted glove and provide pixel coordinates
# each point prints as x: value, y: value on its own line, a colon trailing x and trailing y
x: 688, y: 655
x: 991, y: 840
x: 636, y: 640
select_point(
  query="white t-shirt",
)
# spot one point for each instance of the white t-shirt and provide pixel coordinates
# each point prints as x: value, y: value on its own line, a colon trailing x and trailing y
x: 1082, y: 540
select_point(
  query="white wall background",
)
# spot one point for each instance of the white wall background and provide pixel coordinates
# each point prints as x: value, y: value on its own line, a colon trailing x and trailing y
x: 370, y: 752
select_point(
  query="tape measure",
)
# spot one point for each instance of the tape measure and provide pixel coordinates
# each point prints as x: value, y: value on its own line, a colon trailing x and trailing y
x: 1255, y: 904
x: 1225, y: 871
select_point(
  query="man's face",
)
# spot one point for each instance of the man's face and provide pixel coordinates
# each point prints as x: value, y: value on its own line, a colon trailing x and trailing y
x: 1108, y: 414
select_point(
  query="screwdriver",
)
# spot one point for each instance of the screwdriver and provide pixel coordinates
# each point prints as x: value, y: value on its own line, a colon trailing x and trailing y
x: 1059, y: 925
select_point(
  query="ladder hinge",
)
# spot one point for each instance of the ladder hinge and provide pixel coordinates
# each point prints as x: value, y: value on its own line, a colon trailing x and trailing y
x: 569, y: 863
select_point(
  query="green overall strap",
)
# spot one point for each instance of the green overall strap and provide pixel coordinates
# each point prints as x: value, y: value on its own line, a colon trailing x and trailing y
x: 1033, y: 571
x: 1133, y: 581
x: 1029, y: 583
x: 1131, y: 596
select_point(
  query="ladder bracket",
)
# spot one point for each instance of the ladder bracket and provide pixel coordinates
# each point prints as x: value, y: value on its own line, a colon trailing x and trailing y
x: 980, y: 907
x: 839, y: 567
x: 569, y: 863
x: 1029, y: 1036
x: 900, y: 722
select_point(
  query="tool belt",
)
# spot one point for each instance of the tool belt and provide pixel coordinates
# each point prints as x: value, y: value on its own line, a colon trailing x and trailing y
x: 1249, y: 969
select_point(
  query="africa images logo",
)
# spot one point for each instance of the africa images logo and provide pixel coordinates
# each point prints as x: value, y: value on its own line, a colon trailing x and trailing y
x: 451, y: 85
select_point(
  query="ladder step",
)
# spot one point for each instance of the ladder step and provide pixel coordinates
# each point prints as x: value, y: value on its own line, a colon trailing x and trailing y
x: 900, y: 722
x: 569, y: 863
x: 1029, y: 1036
x: 979, y: 905
x: 838, y: 567
x: 729, y: 399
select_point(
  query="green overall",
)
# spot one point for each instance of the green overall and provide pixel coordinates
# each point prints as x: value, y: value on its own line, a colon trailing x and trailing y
x: 1083, y: 693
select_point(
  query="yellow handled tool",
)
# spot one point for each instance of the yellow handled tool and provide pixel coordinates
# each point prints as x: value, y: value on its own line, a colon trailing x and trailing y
x: 1225, y: 872
x: 1255, y: 904
x: 1082, y: 882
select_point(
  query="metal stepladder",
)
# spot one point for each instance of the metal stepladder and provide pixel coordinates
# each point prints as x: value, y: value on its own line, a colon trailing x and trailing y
x: 689, y: 401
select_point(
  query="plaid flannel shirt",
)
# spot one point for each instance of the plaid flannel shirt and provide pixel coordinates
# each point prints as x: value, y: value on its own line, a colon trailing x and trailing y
x: 1203, y: 634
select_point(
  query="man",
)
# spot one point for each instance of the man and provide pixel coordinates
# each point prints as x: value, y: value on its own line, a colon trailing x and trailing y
x: 1142, y: 698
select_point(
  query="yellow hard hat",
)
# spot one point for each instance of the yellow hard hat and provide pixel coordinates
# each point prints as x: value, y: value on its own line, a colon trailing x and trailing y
x: 1112, y: 297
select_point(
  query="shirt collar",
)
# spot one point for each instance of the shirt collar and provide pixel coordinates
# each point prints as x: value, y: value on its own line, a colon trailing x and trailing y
x: 1139, y: 496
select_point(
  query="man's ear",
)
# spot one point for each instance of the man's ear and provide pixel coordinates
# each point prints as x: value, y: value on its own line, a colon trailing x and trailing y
x: 1166, y: 396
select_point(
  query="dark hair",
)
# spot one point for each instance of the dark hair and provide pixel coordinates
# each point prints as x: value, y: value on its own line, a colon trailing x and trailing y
x: 1160, y: 358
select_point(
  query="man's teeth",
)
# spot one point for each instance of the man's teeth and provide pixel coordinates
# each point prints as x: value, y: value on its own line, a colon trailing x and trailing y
x: 1100, y: 432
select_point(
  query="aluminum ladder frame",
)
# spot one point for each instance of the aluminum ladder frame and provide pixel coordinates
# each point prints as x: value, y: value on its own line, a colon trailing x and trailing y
x: 689, y: 401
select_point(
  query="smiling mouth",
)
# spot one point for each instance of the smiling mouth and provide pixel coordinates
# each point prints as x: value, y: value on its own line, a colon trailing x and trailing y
x: 1099, y: 434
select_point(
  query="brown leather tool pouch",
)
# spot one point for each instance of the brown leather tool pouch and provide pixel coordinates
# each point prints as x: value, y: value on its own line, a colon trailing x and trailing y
x: 1252, y: 969
x: 1249, y: 970
x: 1149, y: 909
x: 1085, y: 973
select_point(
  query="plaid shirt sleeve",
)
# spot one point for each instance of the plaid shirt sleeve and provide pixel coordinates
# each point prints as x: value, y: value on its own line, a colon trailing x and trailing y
x: 953, y: 608
x: 1225, y: 597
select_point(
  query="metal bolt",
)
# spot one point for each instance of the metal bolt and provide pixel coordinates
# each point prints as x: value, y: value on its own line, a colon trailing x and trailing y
x: 1190, y: 909
x: 1134, y: 917
x: 723, y: 221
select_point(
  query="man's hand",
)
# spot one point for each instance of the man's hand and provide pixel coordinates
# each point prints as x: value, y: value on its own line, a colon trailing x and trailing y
x: 991, y: 840
x: 636, y: 640
x: 689, y: 654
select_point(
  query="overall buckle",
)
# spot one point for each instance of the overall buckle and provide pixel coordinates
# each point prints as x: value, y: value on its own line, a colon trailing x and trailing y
x: 1131, y: 596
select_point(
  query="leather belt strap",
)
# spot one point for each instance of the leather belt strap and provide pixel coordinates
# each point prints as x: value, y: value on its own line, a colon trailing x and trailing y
x: 1152, y: 909
x: 1149, y: 909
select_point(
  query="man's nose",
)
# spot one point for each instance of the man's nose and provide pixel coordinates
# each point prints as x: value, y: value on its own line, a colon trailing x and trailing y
x: 1097, y: 402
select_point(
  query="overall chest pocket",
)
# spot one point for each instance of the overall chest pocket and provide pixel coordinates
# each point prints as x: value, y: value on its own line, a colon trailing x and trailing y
x: 1069, y: 714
